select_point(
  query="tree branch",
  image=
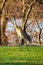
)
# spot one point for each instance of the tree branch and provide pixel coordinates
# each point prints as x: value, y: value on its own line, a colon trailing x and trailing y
x: 27, y: 25
x: 3, y: 4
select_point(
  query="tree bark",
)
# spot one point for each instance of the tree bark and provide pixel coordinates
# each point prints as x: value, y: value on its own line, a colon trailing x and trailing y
x: 1, y: 10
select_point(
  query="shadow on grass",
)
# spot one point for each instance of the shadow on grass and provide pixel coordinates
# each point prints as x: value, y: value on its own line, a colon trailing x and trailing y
x: 19, y: 63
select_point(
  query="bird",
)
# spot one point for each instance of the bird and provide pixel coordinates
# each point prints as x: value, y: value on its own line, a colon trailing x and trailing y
x: 21, y: 33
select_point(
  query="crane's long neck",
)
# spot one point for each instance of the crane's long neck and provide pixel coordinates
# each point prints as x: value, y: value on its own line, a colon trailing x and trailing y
x: 14, y: 23
x: 16, y: 28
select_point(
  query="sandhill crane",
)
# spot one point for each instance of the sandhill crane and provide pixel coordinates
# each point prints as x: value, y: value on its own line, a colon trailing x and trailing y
x: 21, y: 33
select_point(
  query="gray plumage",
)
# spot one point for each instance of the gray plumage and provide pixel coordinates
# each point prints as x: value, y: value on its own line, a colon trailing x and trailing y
x: 25, y: 35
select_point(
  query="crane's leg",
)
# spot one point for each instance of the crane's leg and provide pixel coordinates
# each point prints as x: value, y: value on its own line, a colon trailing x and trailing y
x: 22, y: 42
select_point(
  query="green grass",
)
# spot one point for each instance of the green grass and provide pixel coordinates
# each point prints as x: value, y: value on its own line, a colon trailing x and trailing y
x: 21, y: 55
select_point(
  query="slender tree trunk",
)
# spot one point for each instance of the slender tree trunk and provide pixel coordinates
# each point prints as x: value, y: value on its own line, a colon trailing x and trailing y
x: 3, y: 27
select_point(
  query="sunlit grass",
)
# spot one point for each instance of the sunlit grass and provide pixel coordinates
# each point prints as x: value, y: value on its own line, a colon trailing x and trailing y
x: 21, y: 55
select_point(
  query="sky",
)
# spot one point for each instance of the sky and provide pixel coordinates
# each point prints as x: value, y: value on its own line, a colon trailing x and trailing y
x: 19, y: 23
x: 10, y: 25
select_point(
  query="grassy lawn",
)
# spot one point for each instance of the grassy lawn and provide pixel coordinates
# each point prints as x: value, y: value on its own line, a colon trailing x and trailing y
x: 21, y: 55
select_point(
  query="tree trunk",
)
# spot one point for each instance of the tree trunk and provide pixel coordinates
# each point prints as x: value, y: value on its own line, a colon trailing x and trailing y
x: 3, y: 27
x: 22, y: 42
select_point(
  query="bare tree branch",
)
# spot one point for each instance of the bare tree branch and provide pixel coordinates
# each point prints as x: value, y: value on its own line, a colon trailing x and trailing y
x: 27, y: 25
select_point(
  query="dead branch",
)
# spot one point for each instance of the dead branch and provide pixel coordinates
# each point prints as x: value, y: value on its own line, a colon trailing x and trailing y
x: 27, y: 25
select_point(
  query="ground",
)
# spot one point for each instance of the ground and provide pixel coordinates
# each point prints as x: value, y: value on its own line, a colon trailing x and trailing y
x: 21, y: 55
